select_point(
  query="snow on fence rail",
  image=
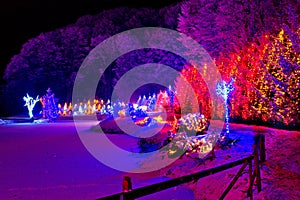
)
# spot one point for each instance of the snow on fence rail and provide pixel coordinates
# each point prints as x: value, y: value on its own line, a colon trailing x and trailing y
x: 258, y: 156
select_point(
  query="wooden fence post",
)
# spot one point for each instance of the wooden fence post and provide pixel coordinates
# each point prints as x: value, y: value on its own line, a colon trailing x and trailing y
x: 234, y: 180
x: 250, y: 193
x: 257, y: 169
x: 127, y: 187
x: 262, y: 148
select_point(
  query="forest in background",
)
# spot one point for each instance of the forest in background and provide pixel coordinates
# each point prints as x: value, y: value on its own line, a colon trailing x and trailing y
x: 255, y: 42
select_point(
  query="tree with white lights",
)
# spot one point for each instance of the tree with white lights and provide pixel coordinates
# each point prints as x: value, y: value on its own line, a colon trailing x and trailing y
x: 30, y: 103
x: 223, y: 89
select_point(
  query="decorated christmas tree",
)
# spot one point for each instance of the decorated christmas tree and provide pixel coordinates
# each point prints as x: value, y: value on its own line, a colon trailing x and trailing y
x: 277, y: 85
x: 50, y: 109
x: 189, y: 84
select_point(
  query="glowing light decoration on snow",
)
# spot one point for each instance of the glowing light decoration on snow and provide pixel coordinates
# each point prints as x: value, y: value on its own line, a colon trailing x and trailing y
x: 201, y: 144
x: 65, y: 109
x: 193, y: 122
x: 160, y: 120
x: 223, y: 89
x: 30, y: 103
x: 122, y: 113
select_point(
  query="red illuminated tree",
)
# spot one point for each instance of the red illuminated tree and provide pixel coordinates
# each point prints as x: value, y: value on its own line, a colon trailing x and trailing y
x: 192, y: 82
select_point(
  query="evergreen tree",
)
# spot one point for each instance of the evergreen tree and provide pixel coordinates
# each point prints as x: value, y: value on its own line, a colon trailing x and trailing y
x: 189, y: 84
x: 278, y: 80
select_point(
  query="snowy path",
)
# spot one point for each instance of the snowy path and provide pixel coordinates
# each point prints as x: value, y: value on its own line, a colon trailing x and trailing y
x: 48, y: 161
x: 45, y: 161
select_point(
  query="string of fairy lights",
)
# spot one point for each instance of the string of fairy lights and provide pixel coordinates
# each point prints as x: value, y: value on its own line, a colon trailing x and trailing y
x: 267, y: 79
x: 278, y: 87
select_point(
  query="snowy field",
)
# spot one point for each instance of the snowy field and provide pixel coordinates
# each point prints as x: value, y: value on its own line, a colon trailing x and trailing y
x: 49, y: 161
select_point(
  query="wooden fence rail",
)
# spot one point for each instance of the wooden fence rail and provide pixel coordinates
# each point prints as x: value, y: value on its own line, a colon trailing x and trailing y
x: 258, y: 156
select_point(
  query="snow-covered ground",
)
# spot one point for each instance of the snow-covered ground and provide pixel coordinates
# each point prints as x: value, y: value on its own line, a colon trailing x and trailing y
x: 49, y: 161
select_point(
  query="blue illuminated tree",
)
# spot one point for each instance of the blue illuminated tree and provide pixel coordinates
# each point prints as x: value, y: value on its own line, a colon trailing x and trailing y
x: 223, y: 89
x: 50, y: 110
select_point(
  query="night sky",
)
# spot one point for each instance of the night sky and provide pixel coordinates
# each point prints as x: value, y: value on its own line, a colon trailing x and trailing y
x: 25, y: 19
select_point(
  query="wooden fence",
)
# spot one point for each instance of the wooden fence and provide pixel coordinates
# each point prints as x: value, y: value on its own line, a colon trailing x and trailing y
x: 258, y: 156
